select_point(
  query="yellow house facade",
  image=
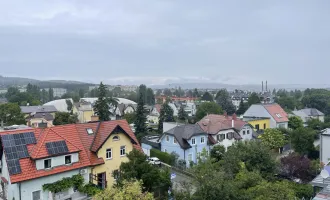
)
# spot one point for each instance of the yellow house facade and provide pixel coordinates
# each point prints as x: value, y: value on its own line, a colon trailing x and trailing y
x: 113, y: 152
x: 259, y: 123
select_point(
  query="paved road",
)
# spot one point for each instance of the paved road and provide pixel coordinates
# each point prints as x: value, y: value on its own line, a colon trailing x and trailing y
x: 181, y: 180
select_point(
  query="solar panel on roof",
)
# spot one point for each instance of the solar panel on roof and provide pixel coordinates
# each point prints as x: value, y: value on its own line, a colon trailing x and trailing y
x: 57, y: 147
x: 14, y: 166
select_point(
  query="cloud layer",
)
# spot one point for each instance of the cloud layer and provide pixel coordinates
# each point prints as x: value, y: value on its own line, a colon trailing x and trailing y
x: 155, y: 42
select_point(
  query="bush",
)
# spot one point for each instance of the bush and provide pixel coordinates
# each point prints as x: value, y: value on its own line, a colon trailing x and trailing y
x: 163, y: 156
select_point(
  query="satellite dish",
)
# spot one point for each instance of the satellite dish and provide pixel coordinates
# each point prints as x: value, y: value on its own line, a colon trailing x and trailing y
x: 324, y: 174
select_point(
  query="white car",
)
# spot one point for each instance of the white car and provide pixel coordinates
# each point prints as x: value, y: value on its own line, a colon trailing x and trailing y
x: 154, y: 161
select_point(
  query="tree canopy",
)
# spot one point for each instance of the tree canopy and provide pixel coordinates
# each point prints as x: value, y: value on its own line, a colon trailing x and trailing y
x: 253, y: 99
x: 166, y: 115
x: 140, y: 119
x: 295, y: 122
x: 207, y: 97
x: 273, y: 138
x: 242, y: 108
x: 207, y: 108
x: 224, y: 101
x: 302, y: 140
x: 10, y: 114
x: 101, y: 106
x: 62, y: 118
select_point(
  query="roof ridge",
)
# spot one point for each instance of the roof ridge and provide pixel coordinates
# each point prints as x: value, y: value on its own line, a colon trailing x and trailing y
x: 96, y: 131
x: 36, y: 148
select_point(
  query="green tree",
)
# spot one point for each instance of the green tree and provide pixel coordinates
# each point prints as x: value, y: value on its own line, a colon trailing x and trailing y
x: 253, y: 99
x: 273, y: 138
x: 182, y: 114
x: 314, y: 124
x: 295, y: 122
x: 10, y: 114
x: 217, y: 152
x: 207, y: 108
x: 207, y: 97
x: 224, y: 100
x: 69, y: 105
x: 138, y: 168
x: 81, y: 93
x: 242, y: 108
x: 302, y: 140
x: 150, y: 97
x: 141, y: 118
x: 167, y: 92
x: 272, y: 191
x: 62, y: 118
x: 166, y: 115
x: 44, y: 96
x: 51, y: 94
x: 101, y: 106
x: 287, y: 102
x: 129, y: 191
x: 196, y: 93
x: 130, y: 117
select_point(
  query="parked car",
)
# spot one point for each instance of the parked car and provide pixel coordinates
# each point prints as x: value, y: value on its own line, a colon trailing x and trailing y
x: 154, y: 161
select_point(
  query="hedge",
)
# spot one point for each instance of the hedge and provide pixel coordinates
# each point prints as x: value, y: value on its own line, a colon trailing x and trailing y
x: 163, y: 156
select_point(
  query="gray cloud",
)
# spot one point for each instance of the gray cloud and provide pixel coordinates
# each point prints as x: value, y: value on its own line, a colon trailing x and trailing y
x: 162, y: 41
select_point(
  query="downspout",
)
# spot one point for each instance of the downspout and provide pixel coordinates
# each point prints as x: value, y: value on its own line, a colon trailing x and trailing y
x: 19, y: 189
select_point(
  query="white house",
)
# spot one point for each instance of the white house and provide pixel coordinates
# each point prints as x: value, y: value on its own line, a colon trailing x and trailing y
x: 225, y: 130
x: 309, y: 113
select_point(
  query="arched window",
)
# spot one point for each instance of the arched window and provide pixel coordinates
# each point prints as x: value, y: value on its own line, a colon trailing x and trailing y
x: 115, y: 138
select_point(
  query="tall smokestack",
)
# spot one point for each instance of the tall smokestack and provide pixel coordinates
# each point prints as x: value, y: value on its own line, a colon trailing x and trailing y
x: 262, y: 86
x: 266, y: 86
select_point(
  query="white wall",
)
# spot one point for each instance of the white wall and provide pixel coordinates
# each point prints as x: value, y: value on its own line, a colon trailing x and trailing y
x: 30, y: 186
x: 246, y: 136
x: 57, y: 160
x: 226, y: 143
x: 325, y: 147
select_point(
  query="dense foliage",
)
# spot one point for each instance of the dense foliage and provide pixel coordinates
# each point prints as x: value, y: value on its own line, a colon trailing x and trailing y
x: 273, y: 138
x: 302, y: 140
x: 207, y: 108
x: 140, y: 119
x: 163, y: 156
x: 166, y: 115
x: 62, y: 118
x: 224, y: 101
x: 295, y: 122
x: 207, y: 97
x: 10, y: 114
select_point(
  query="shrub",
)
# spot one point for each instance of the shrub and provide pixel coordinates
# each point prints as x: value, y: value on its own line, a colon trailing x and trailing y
x: 163, y: 156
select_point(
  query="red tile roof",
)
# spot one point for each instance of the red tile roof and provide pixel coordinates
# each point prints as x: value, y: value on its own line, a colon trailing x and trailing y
x: 77, y: 140
x: 212, y: 123
x: 277, y: 112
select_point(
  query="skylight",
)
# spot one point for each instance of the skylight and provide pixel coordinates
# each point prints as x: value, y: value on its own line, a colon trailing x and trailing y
x: 89, y: 131
x: 278, y: 115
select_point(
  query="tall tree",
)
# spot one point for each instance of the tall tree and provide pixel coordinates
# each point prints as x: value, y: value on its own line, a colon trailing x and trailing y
x: 150, y: 97
x: 207, y: 97
x: 81, y: 93
x: 224, y: 100
x: 196, y: 93
x: 182, y: 114
x: 273, y: 138
x: 295, y: 122
x: 138, y: 168
x: 142, y: 90
x: 10, y: 114
x: 253, y: 99
x: 101, y: 106
x: 302, y: 140
x: 207, y: 108
x: 141, y: 118
x: 189, y: 93
x: 166, y: 115
x: 44, y: 96
x: 167, y: 92
x: 242, y: 108
x: 51, y: 94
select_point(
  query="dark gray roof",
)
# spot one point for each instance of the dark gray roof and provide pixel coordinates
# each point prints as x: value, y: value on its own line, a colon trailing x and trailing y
x: 38, y: 109
x: 185, y: 132
x: 312, y: 112
x: 152, y: 141
x: 46, y: 116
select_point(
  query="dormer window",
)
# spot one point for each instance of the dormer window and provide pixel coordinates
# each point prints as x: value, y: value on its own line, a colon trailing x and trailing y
x: 67, y: 159
x: 115, y: 138
x: 48, y: 163
x: 89, y: 131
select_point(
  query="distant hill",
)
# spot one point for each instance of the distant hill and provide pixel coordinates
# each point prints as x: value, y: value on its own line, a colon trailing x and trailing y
x: 18, y: 81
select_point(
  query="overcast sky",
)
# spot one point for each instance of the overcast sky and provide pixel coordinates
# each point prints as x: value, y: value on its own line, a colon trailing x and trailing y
x: 163, y: 41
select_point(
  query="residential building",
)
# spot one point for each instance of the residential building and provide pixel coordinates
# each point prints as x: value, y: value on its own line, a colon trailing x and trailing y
x: 40, y: 120
x: 156, y: 110
x: 187, y: 141
x: 150, y: 142
x: 58, y: 92
x: 258, y: 123
x: 226, y: 130
x: 163, y: 98
x: 309, y: 113
x: 278, y: 117
x: 122, y: 109
x: 84, y: 110
x: 169, y: 125
x: 34, y: 157
x: 238, y: 96
x: 28, y: 110
x: 174, y: 108
x: 189, y: 108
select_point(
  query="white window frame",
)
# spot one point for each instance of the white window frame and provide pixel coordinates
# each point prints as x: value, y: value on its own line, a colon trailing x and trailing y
x: 36, y: 191
x: 167, y: 138
x: 174, y: 140
x: 193, y: 141
x: 202, y: 140
x: 116, y: 136
x: 107, y: 152
x: 122, y: 154
x: 70, y: 159
x: 50, y: 163
x: 89, y: 131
